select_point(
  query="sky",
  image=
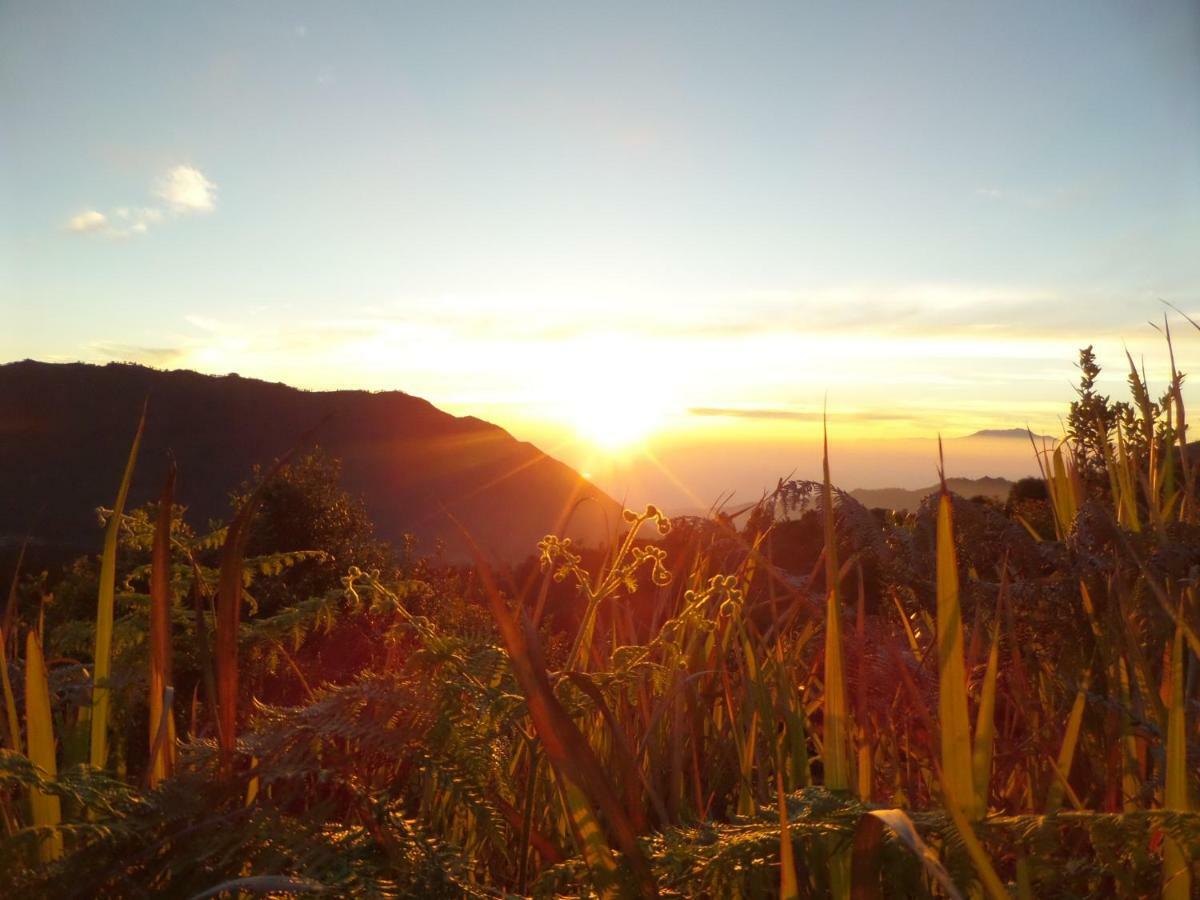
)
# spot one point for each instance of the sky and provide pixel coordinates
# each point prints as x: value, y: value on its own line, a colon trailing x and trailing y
x: 626, y: 232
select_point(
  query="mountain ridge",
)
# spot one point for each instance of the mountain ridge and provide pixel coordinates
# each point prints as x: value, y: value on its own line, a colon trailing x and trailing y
x: 65, y: 430
x: 907, y: 500
x: 1005, y: 434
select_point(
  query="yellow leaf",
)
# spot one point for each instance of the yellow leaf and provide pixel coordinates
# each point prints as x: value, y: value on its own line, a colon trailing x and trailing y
x: 46, y: 808
x: 789, y: 885
x: 1177, y: 876
x: 105, y: 610
x: 1066, y: 753
x: 10, y: 700
x: 835, y: 755
x: 835, y: 751
x: 957, y: 768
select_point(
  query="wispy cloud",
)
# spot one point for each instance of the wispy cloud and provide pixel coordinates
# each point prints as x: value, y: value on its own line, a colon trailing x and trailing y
x: 204, y: 323
x: 1049, y: 198
x: 939, y: 320
x: 793, y: 415
x: 924, y: 310
x: 183, y: 189
x: 139, y: 219
x: 913, y: 309
x: 157, y: 356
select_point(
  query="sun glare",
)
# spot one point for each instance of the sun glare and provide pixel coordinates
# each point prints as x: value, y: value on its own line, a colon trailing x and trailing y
x: 612, y: 425
x: 612, y: 414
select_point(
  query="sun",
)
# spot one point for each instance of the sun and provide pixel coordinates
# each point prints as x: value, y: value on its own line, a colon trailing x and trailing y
x: 613, y: 415
x: 614, y: 427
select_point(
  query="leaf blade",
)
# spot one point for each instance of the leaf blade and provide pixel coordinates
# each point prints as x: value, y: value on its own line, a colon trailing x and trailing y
x: 105, y: 610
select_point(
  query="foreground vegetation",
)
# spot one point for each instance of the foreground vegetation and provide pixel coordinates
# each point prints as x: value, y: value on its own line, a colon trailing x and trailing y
x: 804, y: 699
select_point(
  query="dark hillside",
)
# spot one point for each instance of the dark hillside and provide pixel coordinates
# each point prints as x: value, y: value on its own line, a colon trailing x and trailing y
x: 65, y: 431
x: 904, y: 500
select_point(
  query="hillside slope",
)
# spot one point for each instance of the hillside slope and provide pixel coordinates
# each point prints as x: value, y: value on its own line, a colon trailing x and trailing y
x: 65, y: 431
x: 904, y: 500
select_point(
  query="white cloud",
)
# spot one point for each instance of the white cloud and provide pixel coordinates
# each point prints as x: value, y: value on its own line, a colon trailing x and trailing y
x: 88, y: 220
x: 121, y: 222
x: 185, y: 189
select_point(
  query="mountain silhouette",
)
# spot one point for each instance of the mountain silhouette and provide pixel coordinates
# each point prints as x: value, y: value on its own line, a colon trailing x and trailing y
x: 66, y: 429
x: 1022, y: 434
x: 904, y: 500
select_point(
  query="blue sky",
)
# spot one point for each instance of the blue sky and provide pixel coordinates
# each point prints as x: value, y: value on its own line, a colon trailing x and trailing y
x: 926, y: 206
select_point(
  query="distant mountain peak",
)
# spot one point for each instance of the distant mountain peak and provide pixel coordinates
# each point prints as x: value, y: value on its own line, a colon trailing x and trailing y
x: 1007, y: 433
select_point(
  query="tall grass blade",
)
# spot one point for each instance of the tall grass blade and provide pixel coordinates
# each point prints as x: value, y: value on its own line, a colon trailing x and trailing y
x: 1177, y: 865
x: 162, y: 749
x: 1066, y: 753
x: 1188, y: 501
x: 789, y: 883
x: 863, y: 737
x: 1064, y: 491
x: 46, y: 808
x: 589, y: 834
x: 101, y: 695
x: 954, y: 726
x: 835, y: 754
x: 12, y: 727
